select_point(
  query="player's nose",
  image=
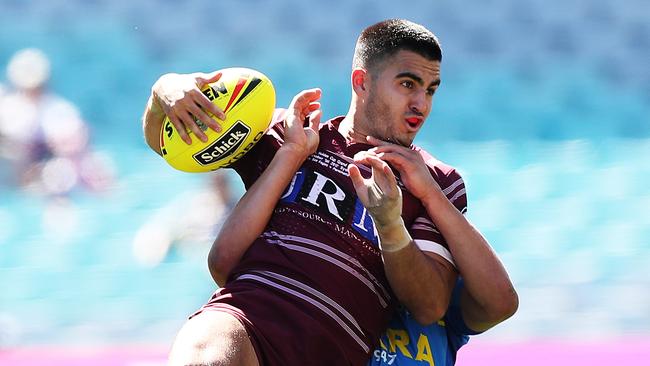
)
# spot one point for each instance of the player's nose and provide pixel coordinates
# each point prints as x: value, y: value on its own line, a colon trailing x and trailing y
x: 420, y: 104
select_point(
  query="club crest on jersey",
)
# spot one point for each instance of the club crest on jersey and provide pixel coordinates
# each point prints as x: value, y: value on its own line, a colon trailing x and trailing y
x: 224, y: 145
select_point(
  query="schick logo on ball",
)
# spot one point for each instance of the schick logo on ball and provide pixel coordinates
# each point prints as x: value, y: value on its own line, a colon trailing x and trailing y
x: 225, y: 145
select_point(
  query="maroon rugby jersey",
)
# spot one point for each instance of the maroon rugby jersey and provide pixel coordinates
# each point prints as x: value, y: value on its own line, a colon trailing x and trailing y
x: 312, y: 289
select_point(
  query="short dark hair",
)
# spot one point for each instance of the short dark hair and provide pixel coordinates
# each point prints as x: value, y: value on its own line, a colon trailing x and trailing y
x: 386, y: 38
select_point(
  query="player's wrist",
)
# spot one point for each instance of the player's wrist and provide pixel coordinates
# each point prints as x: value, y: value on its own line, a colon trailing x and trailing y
x: 437, y: 203
x: 432, y: 192
x: 394, y: 236
x: 291, y: 154
x: 154, y: 105
x: 295, y: 150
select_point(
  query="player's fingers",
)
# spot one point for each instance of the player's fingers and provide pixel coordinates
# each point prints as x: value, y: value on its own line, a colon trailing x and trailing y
x: 210, y: 78
x: 377, y: 142
x: 399, y: 161
x: 392, y: 181
x: 382, y: 174
x: 358, y: 182
x: 205, y: 103
x: 203, y: 117
x: 313, y: 106
x: 390, y: 147
x: 314, y: 119
x: 305, y: 97
x: 188, y: 121
x: 378, y: 172
x: 398, y: 155
x: 309, y: 107
x: 312, y: 94
x: 362, y: 157
x: 180, y: 127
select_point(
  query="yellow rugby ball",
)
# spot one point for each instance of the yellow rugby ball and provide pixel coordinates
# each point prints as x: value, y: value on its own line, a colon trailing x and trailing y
x: 248, y: 99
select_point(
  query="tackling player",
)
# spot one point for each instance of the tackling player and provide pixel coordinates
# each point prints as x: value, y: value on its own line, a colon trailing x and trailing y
x: 483, y: 295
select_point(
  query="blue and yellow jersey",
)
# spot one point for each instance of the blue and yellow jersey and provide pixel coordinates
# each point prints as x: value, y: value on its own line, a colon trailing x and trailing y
x: 406, y: 342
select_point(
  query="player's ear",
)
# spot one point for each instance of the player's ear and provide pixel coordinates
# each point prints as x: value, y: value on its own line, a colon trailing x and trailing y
x: 359, y: 81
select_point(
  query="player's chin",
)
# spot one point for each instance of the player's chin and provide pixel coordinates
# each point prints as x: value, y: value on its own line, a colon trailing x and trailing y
x: 405, y: 140
x: 408, y: 136
x: 402, y: 138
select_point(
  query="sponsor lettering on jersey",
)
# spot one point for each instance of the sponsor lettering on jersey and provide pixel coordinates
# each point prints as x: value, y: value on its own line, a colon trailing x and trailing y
x: 322, y: 194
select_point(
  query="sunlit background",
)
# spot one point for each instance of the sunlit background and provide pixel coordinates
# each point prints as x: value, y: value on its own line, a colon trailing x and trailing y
x: 544, y: 107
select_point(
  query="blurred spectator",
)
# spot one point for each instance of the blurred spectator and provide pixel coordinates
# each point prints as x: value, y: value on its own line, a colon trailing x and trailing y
x: 43, y: 138
x: 188, y: 224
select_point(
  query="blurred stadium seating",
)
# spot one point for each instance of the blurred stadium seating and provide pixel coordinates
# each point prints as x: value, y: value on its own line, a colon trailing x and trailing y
x: 544, y: 106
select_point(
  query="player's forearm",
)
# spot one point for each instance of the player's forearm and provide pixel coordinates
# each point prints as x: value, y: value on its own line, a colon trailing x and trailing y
x: 422, y: 284
x: 491, y: 297
x: 152, y: 120
x: 250, y: 216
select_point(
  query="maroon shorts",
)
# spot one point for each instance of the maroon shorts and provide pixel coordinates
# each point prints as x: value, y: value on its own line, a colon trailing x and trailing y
x: 282, y: 331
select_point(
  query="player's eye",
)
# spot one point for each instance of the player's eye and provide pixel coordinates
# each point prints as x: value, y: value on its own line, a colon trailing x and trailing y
x: 407, y: 84
x: 431, y: 91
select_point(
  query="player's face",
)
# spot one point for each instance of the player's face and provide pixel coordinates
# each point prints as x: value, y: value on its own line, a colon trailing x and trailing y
x: 400, y: 96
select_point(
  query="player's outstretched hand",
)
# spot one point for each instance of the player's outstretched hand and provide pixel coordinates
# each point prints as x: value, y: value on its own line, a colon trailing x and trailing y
x: 413, y: 171
x: 301, y: 124
x: 180, y: 97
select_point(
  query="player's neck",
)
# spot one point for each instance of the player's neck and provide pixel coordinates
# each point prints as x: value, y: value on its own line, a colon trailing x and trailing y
x: 349, y: 128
